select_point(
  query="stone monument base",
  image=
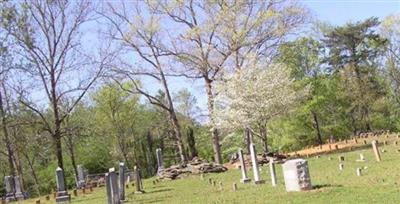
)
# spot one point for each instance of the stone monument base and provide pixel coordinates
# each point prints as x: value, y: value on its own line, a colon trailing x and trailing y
x: 10, y: 198
x: 19, y: 196
x: 139, y: 192
x: 259, y: 182
x: 245, y: 180
x: 63, y: 199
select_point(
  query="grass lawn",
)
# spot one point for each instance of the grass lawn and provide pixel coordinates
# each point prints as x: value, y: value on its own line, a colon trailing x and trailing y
x: 378, y: 184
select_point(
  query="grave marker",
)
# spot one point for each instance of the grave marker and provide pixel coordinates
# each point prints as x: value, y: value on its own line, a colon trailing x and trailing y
x: 376, y: 151
x: 10, y: 188
x: 341, y: 167
x: 245, y: 178
x: 108, y: 189
x: 160, y: 161
x: 62, y: 195
x: 138, y: 181
x: 359, y: 173
x: 272, y: 172
x: 296, y: 175
x: 256, y: 173
x: 121, y: 183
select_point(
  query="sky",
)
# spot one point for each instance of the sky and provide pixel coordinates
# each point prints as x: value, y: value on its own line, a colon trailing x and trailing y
x: 335, y: 12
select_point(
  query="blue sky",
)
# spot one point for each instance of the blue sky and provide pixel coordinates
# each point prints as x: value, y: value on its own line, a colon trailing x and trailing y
x: 341, y: 11
x: 336, y: 12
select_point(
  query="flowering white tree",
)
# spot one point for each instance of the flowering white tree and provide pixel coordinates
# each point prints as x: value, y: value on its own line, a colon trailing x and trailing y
x: 251, y: 97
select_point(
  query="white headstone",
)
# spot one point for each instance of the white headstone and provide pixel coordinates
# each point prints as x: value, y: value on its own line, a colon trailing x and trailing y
x: 272, y: 172
x: 256, y: 173
x: 296, y: 175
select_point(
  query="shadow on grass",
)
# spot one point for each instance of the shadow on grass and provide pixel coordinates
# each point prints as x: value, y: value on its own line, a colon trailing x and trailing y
x: 160, y: 190
x: 316, y: 187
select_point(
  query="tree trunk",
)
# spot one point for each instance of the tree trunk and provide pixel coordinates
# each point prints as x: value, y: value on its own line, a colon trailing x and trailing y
x: 178, y: 136
x: 214, y: 130
x: 263, y: 134
x: 173, y: 117
x: 35, y: 179
x: 7, y: 141
x: 191, y: 143
x: 247, y: 139
x: 316, y: 125
x: 73, y: 160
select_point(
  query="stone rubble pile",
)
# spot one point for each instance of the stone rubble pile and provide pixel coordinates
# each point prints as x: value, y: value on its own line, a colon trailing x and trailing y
x: 195, y: 166
x: 262, y: 159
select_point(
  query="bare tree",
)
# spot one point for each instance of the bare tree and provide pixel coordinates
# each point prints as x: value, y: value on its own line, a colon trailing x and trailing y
x: 49, y: 36
x: 143, y: 37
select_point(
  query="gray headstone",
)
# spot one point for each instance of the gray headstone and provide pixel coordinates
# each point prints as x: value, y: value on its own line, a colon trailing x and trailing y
x: 81, y: 176
x: 62, y: 194
x: 114, y: 186
x: 245, y: 178
x: 138, y: 181
x: 272, y: 172
x: 121, y: 181
x: 160, y: 161
x: 10, y: 188
x: 296, y: 175
x: 256, y: 173
x: 18, y: 189
x: 108, y: 189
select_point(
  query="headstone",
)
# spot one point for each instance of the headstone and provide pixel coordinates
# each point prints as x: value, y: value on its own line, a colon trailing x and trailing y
x: 81, y: 177
x: 365, y: 142
x: 18, y: 189
x: 296, y: 175
x: 108, y: 189
x: 376, y: 151
x: 272, y: 172
x: 221, y: 187
x: 114, y: 186
x: 10, y: 188
x: 37, y: 201
x: 213, y: 183
x: 234, y: 187
x: 121, y: 183
x: 138, y: 182
x: 341, y: 158
x: 210, y: 181
x: 256, y: 173
x: 62, y: 193
x: 359, y: 173
x: 160, y: 161
x: 361, y: 159
x: 395, y: 142
x: 75, y: 192
x: 341, y: 166
x: 245, y: 178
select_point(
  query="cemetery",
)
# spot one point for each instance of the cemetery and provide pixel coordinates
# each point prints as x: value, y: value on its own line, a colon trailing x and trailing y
x: 199, y: 101
x: 365, y: 171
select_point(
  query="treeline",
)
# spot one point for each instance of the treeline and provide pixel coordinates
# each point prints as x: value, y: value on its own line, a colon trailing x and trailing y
x: 90, y: 83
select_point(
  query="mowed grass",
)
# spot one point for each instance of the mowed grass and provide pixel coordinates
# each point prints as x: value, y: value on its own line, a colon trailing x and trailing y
x: 378, y: 184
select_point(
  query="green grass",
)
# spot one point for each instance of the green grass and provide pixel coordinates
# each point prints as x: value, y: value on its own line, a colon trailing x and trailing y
x: 379, y: 184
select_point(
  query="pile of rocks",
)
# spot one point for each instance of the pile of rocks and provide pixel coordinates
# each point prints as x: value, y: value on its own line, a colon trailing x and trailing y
x: 195, y: 166
x: 262, y: 159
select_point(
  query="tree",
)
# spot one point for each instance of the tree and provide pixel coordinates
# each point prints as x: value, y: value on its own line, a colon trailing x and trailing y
x: 143, y: 38
x: 250, y: 98
x: 354, y: 50
x: 48, y: 34
x: 221, y: 36
x: 304, y: 59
